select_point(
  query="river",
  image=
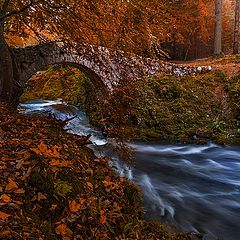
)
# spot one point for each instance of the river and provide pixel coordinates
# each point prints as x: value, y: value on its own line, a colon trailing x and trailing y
x: 196, y: 188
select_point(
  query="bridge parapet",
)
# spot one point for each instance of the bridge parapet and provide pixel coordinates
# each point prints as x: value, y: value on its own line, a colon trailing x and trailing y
x: 109, y: 65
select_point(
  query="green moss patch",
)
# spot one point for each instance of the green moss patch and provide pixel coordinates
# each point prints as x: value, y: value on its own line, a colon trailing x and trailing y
x: 191, y: 109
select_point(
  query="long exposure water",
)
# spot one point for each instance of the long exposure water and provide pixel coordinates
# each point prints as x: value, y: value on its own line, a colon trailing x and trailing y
x: 196, y: 188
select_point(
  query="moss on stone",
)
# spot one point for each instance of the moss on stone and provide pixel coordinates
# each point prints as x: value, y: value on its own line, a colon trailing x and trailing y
x: 177, y: 109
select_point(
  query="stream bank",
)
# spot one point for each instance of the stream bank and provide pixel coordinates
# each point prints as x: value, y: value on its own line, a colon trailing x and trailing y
x: 188, y: 109
x: 54, y: 187
x: 193, y: 187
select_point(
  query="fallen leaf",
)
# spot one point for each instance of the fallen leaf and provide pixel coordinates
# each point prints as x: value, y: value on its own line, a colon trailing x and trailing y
x: 55, y: 152
x: 4, y: 215
x: 12, y: 185
x: 5, y: 198
x: 34, y: 198
x: 103, y: 218
x: 40, y: 197
x: 6, y: 159
x: 89, y: 184
x: 19, y: 164
x: 18, y: 202
x: 74, y: 206
x: 19, y: 191
x: 36, y: 150
x: 107, y: 182
x: 60, y: 163
x: 26, y: 235
x: 14, y: 205
x: 42, y: 147
x: 63, y: 230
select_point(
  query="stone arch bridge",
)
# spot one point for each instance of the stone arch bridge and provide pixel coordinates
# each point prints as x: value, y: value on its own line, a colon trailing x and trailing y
x: 107, y: 65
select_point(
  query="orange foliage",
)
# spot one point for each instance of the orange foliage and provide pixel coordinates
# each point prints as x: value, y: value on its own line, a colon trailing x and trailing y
x: 137, y: 26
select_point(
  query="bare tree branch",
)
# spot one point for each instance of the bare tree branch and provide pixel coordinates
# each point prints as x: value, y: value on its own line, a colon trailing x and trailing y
x: 18, y: 11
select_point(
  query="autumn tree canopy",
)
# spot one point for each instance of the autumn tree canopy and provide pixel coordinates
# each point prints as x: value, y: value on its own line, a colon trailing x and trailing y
x: 183, y: 29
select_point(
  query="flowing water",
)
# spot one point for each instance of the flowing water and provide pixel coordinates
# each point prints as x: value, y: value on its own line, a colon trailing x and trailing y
x: 196, y: 188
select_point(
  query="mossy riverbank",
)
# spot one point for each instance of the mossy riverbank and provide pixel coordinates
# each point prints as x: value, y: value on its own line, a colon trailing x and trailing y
x: 189, y: 109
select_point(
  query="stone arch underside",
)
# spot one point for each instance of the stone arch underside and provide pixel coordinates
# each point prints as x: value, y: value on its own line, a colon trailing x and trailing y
x: 32, y: 59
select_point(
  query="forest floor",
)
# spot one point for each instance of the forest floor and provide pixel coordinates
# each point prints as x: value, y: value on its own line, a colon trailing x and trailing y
x: 53, y: 187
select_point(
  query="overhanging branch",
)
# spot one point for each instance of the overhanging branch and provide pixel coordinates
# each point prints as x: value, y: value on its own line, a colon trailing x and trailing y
x: 18, y: 11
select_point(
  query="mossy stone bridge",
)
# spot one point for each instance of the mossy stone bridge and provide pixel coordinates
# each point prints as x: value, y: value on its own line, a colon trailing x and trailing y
x: 108, y: 66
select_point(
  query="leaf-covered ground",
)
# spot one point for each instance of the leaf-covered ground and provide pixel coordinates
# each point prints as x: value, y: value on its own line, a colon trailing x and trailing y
x: 53, y: 187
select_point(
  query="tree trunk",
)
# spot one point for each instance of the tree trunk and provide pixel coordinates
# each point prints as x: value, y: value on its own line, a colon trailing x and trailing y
x: 10, y: 90
x: 236, y: 28
x: 218, y: 27
x: 6, y: 71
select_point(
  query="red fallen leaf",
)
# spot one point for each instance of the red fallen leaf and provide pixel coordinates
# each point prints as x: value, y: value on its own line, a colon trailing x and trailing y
x: 107, y: 182
x: 36, y: 150
x: 89, y: 184
x: 63, y: 230
x: 19, y: 191
x: 5, y: 198
x: 60, y: 163
x: 4, y: 215
x: 74, y: 206
x: 103, y: 218
x: 12, y: 185
x: 42, y: 147
x: 55, y: 153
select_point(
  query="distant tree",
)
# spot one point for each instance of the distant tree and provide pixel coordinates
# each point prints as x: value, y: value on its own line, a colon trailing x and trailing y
x: 236, y: 28
x: 218, y: 27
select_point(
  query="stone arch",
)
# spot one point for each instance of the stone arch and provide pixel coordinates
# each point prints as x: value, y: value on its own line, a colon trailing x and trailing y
x: 107, y: 66
x: 32, y: 59
x: 95, y: 79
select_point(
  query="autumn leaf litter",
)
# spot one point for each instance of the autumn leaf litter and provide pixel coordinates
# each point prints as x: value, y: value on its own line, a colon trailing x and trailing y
x: 53, y: 187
